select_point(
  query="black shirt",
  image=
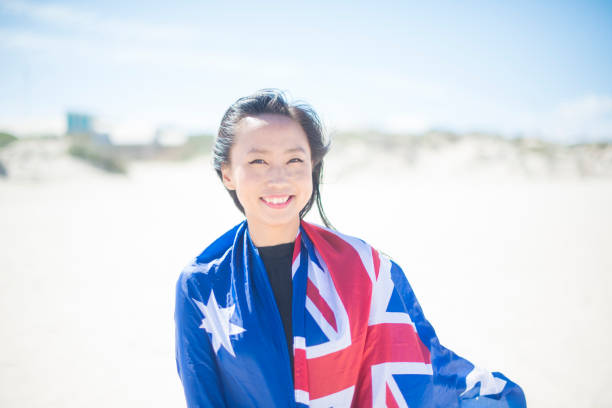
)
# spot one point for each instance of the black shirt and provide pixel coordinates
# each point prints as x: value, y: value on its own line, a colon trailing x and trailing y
x: 277, y: 261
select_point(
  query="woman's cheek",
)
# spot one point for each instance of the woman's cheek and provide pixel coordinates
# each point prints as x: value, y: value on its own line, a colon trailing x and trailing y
x: 251, y: 175
x: 303, y: 173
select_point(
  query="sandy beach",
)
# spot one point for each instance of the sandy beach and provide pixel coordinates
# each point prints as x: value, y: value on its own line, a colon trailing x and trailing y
x: 513, y: 272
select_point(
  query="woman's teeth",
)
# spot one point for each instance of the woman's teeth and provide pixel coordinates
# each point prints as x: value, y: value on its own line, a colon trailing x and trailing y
x: 276, y: 200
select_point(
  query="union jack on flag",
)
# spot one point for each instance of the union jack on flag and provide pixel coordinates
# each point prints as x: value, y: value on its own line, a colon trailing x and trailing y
x: 360, y: 336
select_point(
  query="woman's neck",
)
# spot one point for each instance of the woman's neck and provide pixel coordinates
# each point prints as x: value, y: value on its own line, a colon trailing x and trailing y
x: 267, y: 235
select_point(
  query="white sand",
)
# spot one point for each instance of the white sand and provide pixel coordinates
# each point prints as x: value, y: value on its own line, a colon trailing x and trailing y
x: 514, y: 274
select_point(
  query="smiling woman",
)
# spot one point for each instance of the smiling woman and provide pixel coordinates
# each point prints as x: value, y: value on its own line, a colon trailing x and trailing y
x: 281, y: 312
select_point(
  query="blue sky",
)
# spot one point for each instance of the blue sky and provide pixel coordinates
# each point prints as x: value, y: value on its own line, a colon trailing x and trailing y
x: 537, y: 68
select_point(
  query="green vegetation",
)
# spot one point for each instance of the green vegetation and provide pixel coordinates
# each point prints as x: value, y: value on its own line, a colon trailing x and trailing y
x: 197, y: 145
x: 6, y: 138
x: 98, y: 157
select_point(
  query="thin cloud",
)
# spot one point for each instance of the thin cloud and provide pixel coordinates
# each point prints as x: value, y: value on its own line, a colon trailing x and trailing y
x: 584, y: 119
x: 54, y: 46
x: 80, y: 21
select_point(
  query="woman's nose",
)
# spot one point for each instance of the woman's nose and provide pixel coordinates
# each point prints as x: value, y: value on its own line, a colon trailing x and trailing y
x: 277, y: 175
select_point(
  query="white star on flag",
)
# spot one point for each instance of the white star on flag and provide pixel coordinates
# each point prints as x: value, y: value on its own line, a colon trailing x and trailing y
x: 216, y: 322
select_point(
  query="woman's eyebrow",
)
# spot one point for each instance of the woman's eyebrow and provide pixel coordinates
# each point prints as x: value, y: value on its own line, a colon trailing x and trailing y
x: 262, y: 151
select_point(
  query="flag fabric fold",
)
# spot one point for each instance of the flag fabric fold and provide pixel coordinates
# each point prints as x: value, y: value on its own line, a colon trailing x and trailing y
x: 360, y: 336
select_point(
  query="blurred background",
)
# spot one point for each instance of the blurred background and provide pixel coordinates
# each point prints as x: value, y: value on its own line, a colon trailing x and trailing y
x: 471, y: 141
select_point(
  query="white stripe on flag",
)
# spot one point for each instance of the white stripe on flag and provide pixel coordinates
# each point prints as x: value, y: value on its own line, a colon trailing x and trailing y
x: 302, y: 397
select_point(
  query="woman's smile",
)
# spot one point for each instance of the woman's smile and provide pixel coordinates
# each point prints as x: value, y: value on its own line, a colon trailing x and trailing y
x: 277, y: 201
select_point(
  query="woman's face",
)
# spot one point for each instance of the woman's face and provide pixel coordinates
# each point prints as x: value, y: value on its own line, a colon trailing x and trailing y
x: 271, y: 170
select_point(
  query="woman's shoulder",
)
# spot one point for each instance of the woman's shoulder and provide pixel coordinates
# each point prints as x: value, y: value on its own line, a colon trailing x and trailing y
x: 336, y: 238
x: 206, y: 264
x: 342, y: 244
x: 316, y: 231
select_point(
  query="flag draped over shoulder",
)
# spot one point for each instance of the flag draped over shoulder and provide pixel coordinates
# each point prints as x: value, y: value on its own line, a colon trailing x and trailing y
x: 360, y: 336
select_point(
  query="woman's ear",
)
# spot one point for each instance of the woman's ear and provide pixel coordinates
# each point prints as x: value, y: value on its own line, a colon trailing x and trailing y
x: 227, y: 177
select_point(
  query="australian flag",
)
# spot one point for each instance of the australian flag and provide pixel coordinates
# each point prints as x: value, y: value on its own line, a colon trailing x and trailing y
x: 360, y: 338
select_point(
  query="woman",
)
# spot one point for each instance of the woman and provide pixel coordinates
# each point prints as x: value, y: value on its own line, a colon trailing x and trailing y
x: 281, y: 312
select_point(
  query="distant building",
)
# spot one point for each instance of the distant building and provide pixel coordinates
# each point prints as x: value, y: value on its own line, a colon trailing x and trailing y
x: 82, y: 125
x: 79, y: 123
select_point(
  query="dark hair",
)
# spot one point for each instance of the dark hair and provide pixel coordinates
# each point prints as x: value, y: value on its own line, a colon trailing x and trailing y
x: 273, y: 101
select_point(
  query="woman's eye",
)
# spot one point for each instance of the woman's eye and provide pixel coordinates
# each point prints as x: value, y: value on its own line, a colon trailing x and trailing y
x: 257, y: 161
x: 296, y: 160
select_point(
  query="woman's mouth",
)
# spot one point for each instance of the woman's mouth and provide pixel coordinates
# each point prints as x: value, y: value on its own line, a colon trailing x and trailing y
x: 277, y: 201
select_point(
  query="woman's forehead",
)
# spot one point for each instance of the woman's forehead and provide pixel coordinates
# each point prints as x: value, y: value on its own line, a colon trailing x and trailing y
x: 269, y: 131
x: 265, y: 120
